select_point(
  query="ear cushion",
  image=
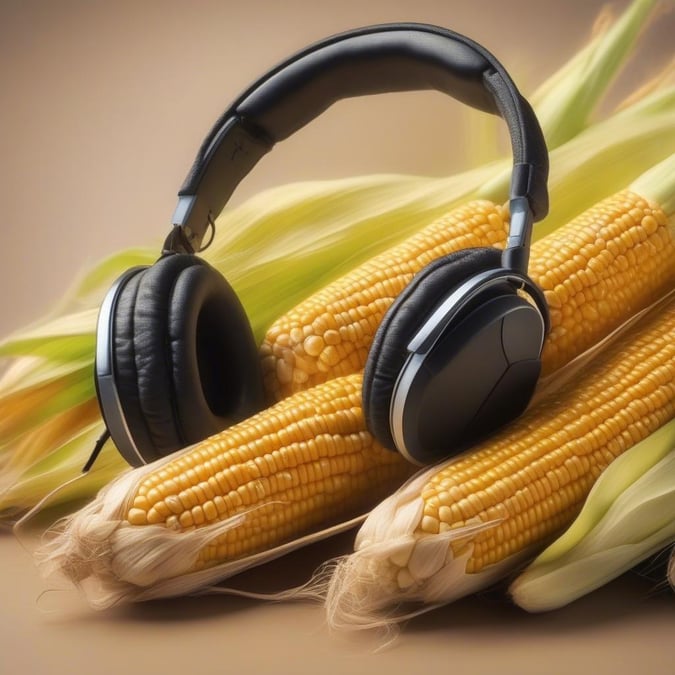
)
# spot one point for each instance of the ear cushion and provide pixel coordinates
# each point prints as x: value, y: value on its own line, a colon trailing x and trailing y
x: 186, y: 363
x: 403, y: 319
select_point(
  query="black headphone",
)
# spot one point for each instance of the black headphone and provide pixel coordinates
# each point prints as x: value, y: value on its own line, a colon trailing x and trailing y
x: 457, y: 354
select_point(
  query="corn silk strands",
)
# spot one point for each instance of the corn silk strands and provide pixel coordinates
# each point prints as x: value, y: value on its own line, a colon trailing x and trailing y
x: 462, y: 525
x: 629, y: 515
x: 308, y: 461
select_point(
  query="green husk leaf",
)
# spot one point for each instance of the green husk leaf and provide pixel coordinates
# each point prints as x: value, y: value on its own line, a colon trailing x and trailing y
x: 608, y: 169
x: 87, y: 290
x: 603, y: 159
x: 565, y: 102
x: 29, y: 406
x: 62, y: 339
x: 56, y: 469
x: 658, y: 184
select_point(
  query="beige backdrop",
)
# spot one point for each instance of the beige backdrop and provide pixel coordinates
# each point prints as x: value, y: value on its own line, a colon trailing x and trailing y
x: 103, y: 107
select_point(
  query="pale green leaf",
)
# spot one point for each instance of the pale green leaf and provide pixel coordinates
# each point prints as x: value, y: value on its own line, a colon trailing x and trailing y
x: 566, y: 100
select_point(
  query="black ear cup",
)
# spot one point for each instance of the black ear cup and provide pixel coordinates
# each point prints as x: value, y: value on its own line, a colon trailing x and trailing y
x: 401, y: 322
x: 479, y: 374
x: 184, y: 357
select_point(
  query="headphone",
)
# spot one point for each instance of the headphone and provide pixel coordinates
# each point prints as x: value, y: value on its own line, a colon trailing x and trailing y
x: 456, y: 355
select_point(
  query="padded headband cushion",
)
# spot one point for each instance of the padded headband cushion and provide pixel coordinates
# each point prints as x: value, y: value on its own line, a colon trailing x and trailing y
x: 411, y: 308
x: 185, y: 355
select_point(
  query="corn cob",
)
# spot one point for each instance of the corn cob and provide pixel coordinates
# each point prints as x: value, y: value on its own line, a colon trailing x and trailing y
x: 457, y: 528
x: 605, y: 265
x: 329, y: 333
x: 304, y: 462
x: 588, y: 270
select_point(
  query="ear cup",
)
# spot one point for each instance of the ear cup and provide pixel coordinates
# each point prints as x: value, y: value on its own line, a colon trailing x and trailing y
x: 186, y: 363
x: 414, y: 304
x: 479, y: 374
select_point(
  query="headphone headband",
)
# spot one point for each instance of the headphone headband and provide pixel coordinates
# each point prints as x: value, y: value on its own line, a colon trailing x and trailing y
x: 371, y: 60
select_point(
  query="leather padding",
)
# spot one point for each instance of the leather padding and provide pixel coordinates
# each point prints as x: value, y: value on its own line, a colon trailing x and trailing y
x: 124, y: 363
x: 406, y: 315
x: 185, y: 358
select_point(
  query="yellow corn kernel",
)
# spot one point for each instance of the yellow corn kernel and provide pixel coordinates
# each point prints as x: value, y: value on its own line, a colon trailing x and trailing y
x: 599, y: 270
x: 329, y: 334
x: 534, y: 475
x: 306, y: 462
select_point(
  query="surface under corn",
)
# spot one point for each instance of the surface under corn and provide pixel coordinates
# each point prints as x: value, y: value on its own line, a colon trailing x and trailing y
x: 596, y: 272
x: 535, y: 475
x: 302, y: 463
x: 329, y: 333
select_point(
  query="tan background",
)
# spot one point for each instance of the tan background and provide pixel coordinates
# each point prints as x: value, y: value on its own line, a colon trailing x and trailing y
x: 103, y: 107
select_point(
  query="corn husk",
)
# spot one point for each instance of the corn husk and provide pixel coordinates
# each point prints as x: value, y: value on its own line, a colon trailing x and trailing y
x: 629, y: 515
x: 291, y: 240
x: 588, y: 75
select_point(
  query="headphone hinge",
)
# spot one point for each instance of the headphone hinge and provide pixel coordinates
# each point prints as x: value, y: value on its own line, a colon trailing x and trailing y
x: 177, y: 241
x: 516, y: 255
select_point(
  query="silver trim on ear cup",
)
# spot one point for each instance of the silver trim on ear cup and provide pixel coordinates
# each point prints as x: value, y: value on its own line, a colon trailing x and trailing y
x: 432, y: 329
x: 106, y: 386
x: 401, y: 390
